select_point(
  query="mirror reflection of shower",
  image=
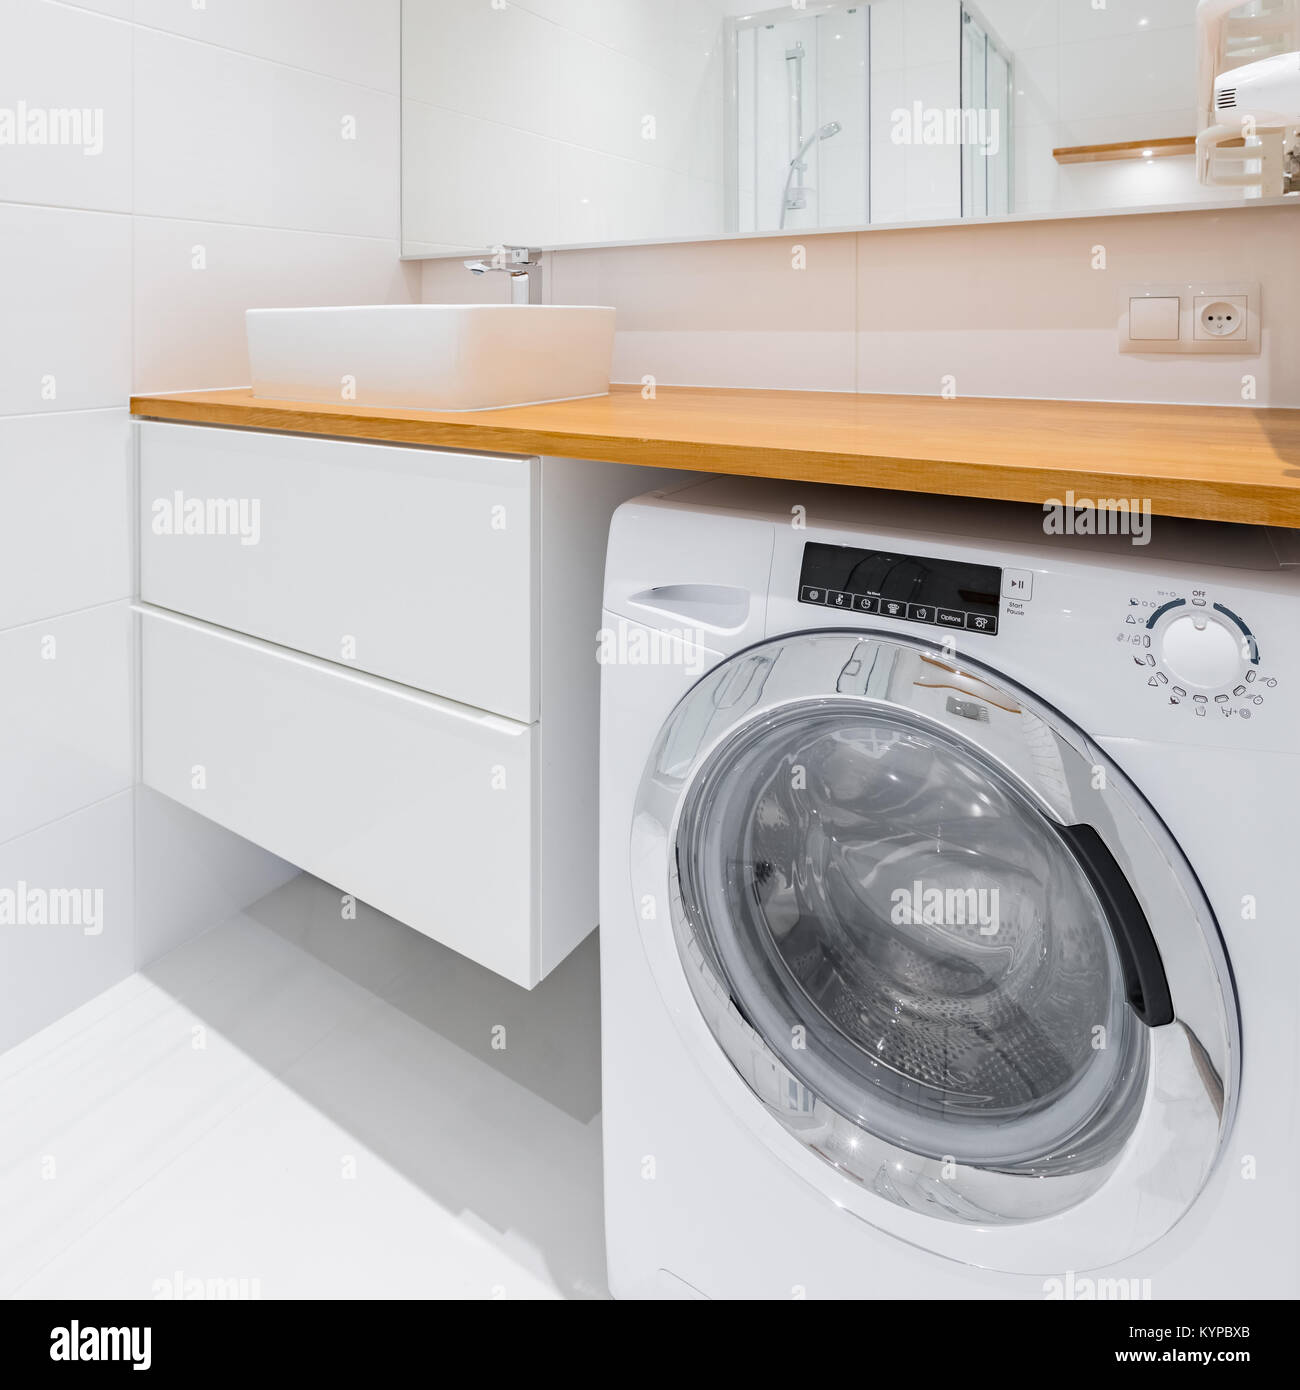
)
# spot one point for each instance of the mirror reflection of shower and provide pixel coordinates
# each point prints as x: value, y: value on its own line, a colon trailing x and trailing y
x: 842, y: 113
x: 799, y: 118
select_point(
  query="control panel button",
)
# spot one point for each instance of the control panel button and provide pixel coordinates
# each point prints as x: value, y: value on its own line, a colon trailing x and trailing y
x: 864, y: 603
x: 981, y: 622
x: 809, y: 594
x: 837, y: 598
x: 1018, y: 584
x: 950, y: 617
x: 920, y: 612
x: 893, y: 608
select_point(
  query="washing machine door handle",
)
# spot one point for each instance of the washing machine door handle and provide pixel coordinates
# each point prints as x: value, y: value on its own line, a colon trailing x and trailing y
x: 1146, y: 986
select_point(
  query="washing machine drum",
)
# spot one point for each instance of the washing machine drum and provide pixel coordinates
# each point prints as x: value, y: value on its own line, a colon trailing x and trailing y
x: 934, y: 930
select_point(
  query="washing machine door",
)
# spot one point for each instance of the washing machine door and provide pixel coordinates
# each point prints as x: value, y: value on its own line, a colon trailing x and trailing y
x: 945, y: 943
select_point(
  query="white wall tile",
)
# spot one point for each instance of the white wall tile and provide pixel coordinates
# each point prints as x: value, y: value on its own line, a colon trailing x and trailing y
x: 1080, y: 21
x: 352, y: 40
x: 1037, y: 86
x: 189, y: 324
x: 45, y: 971
x: 66, y: 343
x: 887, y: 52
x: 191, y: 874
x: 120, y: 9
x: 242, y: 25
x: 66, y: 739
x: 1129, y: 76
x: 203, y: 131
x: 931, y: 31
x: 496, y: 64
x: 66, y: 525
x: 53, y: 57
x: 335, y: 156
x: 453, y: 203
x: 1020, y: 24
x: 605, y: 198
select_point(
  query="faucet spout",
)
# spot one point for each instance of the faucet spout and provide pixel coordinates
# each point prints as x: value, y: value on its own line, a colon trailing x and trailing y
x: 522, y: 264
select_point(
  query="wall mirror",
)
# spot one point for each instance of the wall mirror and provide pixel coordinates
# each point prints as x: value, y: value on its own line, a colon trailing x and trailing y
x: 557, y: 123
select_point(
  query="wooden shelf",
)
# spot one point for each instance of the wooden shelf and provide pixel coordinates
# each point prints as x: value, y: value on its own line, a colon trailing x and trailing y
x: 1128, y: 149
x: 1220, y: 463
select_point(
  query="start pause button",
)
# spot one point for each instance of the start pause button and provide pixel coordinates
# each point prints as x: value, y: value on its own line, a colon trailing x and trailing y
x: 1017, y: 584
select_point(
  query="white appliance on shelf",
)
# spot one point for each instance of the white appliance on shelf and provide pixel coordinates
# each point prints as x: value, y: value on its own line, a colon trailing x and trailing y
x: 1248, y: 95
x: 948, y: 917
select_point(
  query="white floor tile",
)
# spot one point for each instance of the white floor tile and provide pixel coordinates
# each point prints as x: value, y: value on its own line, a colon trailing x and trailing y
x: 324, y: 1141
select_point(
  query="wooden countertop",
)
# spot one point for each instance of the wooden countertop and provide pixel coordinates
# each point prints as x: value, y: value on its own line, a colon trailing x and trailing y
x: 1213, y: 462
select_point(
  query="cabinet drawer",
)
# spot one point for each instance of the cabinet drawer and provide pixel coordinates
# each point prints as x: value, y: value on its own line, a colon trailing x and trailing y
x: 418, y: 806
x: 411, y: 564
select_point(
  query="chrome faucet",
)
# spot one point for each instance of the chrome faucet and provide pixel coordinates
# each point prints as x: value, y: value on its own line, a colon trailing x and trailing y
x: 523, y: 265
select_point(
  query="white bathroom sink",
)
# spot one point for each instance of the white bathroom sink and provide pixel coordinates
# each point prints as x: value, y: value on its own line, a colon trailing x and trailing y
x: 432, y: 356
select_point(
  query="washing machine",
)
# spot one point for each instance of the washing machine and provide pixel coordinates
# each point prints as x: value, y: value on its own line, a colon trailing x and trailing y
x: 949, y: 935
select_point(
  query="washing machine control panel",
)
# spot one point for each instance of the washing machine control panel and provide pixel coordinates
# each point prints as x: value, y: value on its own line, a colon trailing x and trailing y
x: 1195, y: 653
x: 952, y: 594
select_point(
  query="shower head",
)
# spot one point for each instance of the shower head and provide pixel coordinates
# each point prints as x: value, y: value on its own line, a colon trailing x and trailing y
x: 825, y: 133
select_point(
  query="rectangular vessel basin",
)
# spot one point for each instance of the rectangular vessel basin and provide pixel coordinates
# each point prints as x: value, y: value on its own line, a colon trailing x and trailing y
x: 432, y: 356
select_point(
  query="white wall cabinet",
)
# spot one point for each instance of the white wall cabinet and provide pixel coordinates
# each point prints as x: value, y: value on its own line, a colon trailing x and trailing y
x: 386, y: 671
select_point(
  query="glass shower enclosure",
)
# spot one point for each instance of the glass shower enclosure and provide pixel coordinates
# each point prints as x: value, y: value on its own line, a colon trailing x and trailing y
x: 833, y: 120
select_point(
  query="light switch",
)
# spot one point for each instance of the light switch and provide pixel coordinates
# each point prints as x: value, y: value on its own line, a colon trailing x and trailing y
x: 1153, y: 317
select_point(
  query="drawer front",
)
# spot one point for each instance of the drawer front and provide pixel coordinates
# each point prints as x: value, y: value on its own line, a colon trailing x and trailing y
x: 411, y: 564
x: 414, y: 805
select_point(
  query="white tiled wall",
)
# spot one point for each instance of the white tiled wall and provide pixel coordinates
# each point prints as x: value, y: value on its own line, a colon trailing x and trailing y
x: 528, y: 122
x: 249, y: 157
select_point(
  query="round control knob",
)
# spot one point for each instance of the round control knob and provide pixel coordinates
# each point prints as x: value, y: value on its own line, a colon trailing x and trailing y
x: 1198, y: 651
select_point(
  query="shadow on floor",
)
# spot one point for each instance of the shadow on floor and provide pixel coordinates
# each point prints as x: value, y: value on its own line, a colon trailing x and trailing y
x: 484, y: 1095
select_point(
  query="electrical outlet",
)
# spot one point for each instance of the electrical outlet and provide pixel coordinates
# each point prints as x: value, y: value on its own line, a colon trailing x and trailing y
x: 1200, y: 317
x: 1219, y: 319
